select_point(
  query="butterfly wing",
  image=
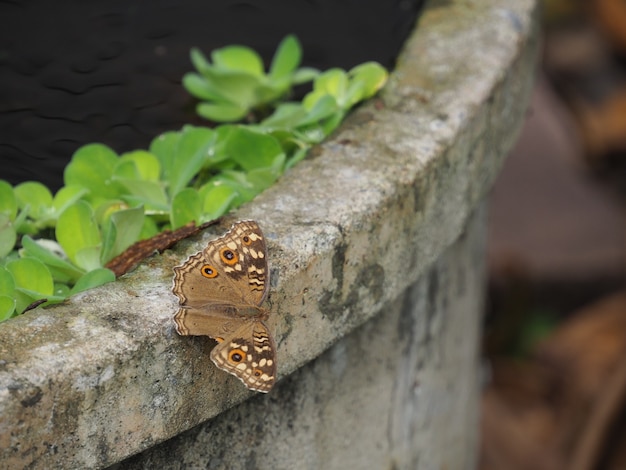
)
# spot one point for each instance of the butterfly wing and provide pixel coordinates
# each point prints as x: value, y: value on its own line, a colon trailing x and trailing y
x: 248, y: 354
x: 218, y: 321
x: 231, y: 269
x: 220, y: 290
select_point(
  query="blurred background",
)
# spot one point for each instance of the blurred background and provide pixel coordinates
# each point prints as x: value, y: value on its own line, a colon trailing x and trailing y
x: 555, y: 335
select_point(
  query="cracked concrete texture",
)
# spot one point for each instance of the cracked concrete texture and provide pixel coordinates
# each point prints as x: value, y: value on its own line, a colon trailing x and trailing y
x: 105, y: 376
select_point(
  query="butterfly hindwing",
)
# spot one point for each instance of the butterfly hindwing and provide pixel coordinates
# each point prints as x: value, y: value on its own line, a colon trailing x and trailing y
x: 249, y: 354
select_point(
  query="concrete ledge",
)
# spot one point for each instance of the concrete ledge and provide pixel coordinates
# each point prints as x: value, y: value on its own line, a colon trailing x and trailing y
x: 400, y: 391
x: 105, y: 376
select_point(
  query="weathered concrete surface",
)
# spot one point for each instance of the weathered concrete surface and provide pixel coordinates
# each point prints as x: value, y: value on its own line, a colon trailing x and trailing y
x: 400, y: 391
x: 91, y: 382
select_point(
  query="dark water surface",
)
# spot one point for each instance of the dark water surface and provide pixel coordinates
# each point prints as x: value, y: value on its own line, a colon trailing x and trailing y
x: 76, y: 72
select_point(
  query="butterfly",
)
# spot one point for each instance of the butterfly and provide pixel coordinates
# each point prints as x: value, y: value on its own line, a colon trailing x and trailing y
x: 220, y: 291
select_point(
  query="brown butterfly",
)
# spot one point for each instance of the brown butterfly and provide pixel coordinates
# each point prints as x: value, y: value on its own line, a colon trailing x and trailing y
x: 220, y: 291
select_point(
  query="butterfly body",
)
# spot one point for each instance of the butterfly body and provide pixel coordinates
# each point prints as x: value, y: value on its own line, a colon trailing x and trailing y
x: 220, y: 292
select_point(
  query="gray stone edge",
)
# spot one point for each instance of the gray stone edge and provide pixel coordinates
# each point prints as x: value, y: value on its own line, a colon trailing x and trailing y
x: 104, y: 376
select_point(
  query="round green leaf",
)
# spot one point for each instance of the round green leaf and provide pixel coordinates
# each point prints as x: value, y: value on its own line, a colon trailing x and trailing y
x: 372, y: 75
x: 186, y: 207
x: 66, y: 196
x: 238, y: 58
x: 7, y: 282
x: 216, y: 200
x: 333, y: 82
x: 50, y: 253
x: 201, y: 88
x: 222, y: 112
x: 89, y: 258
x: 303, y: 75
x: 147, y: 166
x: 8, y: 202
x: 36, y: 196
x: 121, y: 230
x: 92, y: 167
x: 7, y: 307
x: 191, y: 153
x: 61, y: 290
x: 164, y: 148
x: 7, y: 235
x: 92, y: 279
x: 253, y: 149
x: 77, y: 230
x: 287, y: 57
x: 235, y: 87
x: 32, y: 275
x: 149, y: 229
x: 198, y: 60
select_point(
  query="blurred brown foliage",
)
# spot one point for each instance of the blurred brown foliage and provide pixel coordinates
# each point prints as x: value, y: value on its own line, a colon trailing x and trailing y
x: 555, y: 339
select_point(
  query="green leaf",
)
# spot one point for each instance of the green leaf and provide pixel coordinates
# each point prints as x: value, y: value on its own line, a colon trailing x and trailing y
x: 138, y: 173
x: 32, y: 275
x: 237, y: 88
x: 239, y: 58
x: 287, y: 57
x: 77, y: 232
x: 149, y: 229
x: 32, y: 281
x: 92, y: 167
x: 22, y: 224
x: 151, y: 194
x: 8, y: 236
x: 147, y: 165
x: 66, y: 196
x: 216, y: 200
x: 285, y: 115
x: 222, y: 112
x: 60, y: 269
x: 8, y: 201
x: 10, y: 257
x: 320, y: 106
x: 354, y: 94
x: 121, y: 231
x: 89, y: 257
x: 372, y: 75
x: 25, y: 297
x: 36, y: 196
x: 238, y: 181
x: 304, y: 75
x: 92, y: 279
x: 105, y: 210
x: 186, y: 207
x: 297, y: 156
x: 7, y: 282
x: 252, y: 149
x: 7, y: 307
x: 126, y: 170
x: 61, y: 290
x: 164, y: 148
x: 198, y: 60
x: 191, y: 153
x: 263, y: 178
x: 201, y: 88
x: 333, y: 81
